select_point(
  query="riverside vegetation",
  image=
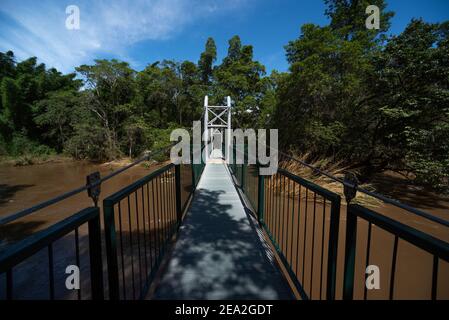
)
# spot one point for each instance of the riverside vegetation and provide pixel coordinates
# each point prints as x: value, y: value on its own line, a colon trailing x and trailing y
x: 360, y: 98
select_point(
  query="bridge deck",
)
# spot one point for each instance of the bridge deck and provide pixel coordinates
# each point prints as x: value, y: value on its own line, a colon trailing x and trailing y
x: 220, y: 252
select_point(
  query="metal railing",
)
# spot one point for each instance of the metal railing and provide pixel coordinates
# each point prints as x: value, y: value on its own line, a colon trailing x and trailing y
x: 140, y: 222
x: 308, y: 251
x: 87, y: 187
x: 12, y: 260
x: 436, y: 247
x: 302, y: 221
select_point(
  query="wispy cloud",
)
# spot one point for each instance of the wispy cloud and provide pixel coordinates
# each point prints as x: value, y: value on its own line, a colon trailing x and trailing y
x: 37, y: 28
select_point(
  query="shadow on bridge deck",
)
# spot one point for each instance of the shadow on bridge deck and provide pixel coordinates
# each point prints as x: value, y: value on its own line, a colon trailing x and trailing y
x: 220, y: 252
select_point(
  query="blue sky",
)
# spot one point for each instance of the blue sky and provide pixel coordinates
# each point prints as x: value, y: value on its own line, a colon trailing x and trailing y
x: 142, y: 32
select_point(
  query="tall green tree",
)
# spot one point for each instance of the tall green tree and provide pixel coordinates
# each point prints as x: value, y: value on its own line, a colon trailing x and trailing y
x: 207, y: 60
x: 55, y: 116
x: 373, y: 102
x: 110, y: 90
x: 240, y: 77
x: 409, y: 106
x: 347, y: 19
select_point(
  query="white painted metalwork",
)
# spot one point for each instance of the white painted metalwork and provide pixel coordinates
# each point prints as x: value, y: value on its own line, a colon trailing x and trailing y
x: 216, y: 120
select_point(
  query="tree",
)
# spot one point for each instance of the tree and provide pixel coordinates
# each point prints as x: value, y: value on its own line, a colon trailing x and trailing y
x: 55, y: 117
x: 325, y: 84
x: 234, y: 50
x: 240, y: 77
x: 370, y: 101
x: 7, y: 65
x: 348, y: 19
x: 10, y: 118
x: 110, y: 85
x: 410, y: 104
x: 207, y: 59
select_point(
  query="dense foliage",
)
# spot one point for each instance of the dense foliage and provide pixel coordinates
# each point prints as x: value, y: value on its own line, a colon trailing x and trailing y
x: 374, y: 102
x: 108, y: 110
x: 355, y: 95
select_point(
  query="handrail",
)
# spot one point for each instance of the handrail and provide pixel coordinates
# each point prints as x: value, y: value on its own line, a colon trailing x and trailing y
x: 309, y: 185
x: 27, y: 247
x: 370, y: 193
x: 434, y: 246
x: 44, y: 204
x: 358, y: 188
x: 157, y: 218
x: 270, y: 208
x: 119, y: 195
x: 19, y: 252
x: 416, y: 237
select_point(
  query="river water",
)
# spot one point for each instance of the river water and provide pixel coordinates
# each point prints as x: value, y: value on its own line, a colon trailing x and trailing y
x: 22, y: 187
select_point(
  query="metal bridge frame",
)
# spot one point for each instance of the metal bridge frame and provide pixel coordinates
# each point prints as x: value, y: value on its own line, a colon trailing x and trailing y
x: 164, y: 196
x: 220, y: 121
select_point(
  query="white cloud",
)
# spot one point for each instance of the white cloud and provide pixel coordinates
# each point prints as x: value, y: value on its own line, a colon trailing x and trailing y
x: 37, y: 28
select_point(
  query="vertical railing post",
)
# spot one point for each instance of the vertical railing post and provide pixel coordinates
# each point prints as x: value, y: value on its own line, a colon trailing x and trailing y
x: 260, y: 196
x: 350, y: 191
x: 206, y: 127
x: 333, y: 248
x: 224, y: 153
x: 234, y: 160
x: 350, y: 247
x: 193, y: 169
x: 228, y: 130
x: 243, y: 172
x: 178, y: 193
x: 243, y: 177
x: 96, y: 263
x: 111, y: 249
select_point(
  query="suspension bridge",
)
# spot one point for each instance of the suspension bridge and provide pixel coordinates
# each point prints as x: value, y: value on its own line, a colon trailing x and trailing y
x: 220, y: 230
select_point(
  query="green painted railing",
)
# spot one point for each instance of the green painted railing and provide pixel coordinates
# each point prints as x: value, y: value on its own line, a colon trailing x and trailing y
x: 17, y: 256
x: 197, y: 169
x: 438, y: 249
x: 302, y: 222
x: 140, y: 222
x: 283, y: 209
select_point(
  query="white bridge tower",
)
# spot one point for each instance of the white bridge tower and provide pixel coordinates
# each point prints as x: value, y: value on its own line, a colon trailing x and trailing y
x: 216, y: 120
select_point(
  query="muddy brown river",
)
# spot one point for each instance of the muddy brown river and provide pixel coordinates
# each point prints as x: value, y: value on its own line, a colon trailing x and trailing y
x: 22, y: 187
x: 303, y: 244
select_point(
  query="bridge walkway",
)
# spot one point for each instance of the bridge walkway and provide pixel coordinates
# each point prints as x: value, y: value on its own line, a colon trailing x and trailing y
x: 221, y: 252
